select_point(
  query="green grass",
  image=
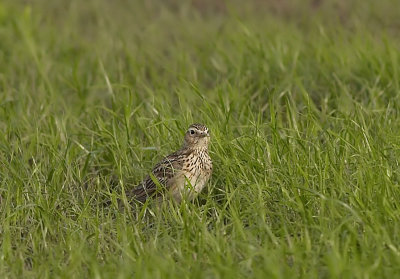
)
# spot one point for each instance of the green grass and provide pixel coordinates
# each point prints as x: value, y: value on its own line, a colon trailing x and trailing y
x: 303, y: 105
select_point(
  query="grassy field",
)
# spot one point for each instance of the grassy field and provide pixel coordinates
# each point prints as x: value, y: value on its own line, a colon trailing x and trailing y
x: 302, y: 100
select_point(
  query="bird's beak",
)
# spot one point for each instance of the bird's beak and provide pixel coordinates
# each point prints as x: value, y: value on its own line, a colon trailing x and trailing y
x: 205, y: 134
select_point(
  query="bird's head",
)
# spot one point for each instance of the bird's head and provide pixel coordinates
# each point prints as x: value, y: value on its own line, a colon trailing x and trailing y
x: 197, y: 137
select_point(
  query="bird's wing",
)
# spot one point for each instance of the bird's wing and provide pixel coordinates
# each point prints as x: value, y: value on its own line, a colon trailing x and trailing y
x: 162, y: 172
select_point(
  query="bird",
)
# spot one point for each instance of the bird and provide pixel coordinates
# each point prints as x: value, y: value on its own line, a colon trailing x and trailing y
x: 181, y: 175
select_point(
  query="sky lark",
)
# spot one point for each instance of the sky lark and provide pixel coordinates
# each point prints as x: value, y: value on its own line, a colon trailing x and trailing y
x: 182, y: 174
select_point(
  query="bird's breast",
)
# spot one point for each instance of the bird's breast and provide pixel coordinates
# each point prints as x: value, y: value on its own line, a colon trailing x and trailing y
x: 192, y: 178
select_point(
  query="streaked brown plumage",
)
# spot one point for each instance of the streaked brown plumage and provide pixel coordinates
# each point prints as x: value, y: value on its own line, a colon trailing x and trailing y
x: 182, y: 174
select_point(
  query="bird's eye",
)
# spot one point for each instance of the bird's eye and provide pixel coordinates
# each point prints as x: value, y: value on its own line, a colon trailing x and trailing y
x: 192, y: 132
